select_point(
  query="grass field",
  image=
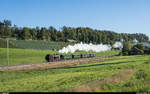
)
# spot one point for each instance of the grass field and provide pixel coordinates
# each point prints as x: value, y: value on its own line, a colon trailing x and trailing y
x: 23, y: 56
x: 28, y: 56
x: 132, y: 74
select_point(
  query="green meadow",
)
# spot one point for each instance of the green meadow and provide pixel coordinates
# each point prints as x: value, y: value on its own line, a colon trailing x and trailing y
x: 23, y: 56
x: 69, y: 78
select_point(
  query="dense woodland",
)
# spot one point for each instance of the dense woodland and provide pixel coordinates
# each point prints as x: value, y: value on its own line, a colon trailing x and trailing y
x: 84, y: 34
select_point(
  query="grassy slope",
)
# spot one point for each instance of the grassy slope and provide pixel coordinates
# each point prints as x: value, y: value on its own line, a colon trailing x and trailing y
x: 139, y: 82
x: 27, y: 56
x: 65, y: 79
x: 23, y: 56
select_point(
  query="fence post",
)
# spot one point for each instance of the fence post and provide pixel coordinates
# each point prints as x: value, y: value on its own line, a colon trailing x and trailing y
x: 7, y: 52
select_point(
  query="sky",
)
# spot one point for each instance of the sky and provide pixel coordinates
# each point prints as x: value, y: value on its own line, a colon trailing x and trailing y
x: 121, y: 16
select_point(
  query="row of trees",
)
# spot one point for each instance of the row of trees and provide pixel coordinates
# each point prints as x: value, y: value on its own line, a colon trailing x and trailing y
x: 84, y: 34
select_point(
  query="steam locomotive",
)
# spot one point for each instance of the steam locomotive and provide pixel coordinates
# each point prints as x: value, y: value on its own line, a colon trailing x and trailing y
x: 56, y: 57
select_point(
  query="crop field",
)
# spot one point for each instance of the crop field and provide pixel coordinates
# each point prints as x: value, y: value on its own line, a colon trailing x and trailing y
x: 42, y: 45
x: 119, y: 75
x: 33, y: 44
x: 3, y: 44
x: 29, y: 56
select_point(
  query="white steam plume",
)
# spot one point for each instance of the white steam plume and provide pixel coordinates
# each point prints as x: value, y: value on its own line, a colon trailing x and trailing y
x: 85, y: 47
x: 135, y: 41
x: 118, y: 44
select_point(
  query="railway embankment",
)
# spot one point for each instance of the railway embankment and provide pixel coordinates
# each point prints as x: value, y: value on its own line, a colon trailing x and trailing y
x: 59, y: 64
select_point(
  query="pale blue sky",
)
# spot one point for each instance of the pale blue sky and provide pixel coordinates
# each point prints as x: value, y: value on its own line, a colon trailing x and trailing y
x: 128, y: 16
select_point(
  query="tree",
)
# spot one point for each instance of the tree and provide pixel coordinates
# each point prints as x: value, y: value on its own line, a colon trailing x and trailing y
x: 53, y: 32
x: 26, y: 33
x: 126, y: 47
x: 7, y: 29
x: 1, y: 29
x: 33, y: 33
x: 60, y: 36
x: 14, y: 31
x: 44, y: 34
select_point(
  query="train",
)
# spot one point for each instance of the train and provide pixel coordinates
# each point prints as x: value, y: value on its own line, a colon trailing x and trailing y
x: 59, y: 57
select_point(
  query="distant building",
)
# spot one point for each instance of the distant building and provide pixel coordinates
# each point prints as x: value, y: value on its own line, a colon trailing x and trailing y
x: 135, y: 51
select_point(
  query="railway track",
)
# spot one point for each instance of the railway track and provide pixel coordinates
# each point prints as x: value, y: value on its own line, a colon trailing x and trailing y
x: 97, y: 58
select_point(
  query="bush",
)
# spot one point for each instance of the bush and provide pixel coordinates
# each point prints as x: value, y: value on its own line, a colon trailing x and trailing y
x: 125, y: 53
x: 141, y: 74
x: 129, y: 84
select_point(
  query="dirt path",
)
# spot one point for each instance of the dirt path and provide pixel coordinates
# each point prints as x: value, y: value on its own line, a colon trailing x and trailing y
x: 114, y: 79
x: 59, y: 64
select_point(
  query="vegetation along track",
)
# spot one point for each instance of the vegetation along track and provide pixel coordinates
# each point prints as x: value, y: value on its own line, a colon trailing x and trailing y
x: 59, y: 64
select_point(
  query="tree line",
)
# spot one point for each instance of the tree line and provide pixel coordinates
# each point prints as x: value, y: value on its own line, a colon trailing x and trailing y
x: 84, y: 34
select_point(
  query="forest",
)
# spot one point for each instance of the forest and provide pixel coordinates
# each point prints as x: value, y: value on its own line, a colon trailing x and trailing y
x: 84, y: 34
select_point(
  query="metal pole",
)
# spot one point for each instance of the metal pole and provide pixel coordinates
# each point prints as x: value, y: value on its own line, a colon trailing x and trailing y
x: 7, y: 52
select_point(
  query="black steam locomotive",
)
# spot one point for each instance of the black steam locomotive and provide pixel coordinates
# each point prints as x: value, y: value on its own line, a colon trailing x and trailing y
x: 56, y: 57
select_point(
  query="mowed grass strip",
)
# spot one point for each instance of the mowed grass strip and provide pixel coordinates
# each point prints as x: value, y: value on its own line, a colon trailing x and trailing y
x: 65, y: 79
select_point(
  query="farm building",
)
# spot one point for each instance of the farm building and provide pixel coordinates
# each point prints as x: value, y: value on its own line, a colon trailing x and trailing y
x: 135, y: 51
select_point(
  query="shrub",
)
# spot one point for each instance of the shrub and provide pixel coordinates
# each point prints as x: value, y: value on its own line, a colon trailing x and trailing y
x: 125, y: 53
x: 129, y: 84
x: 141, y: 74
